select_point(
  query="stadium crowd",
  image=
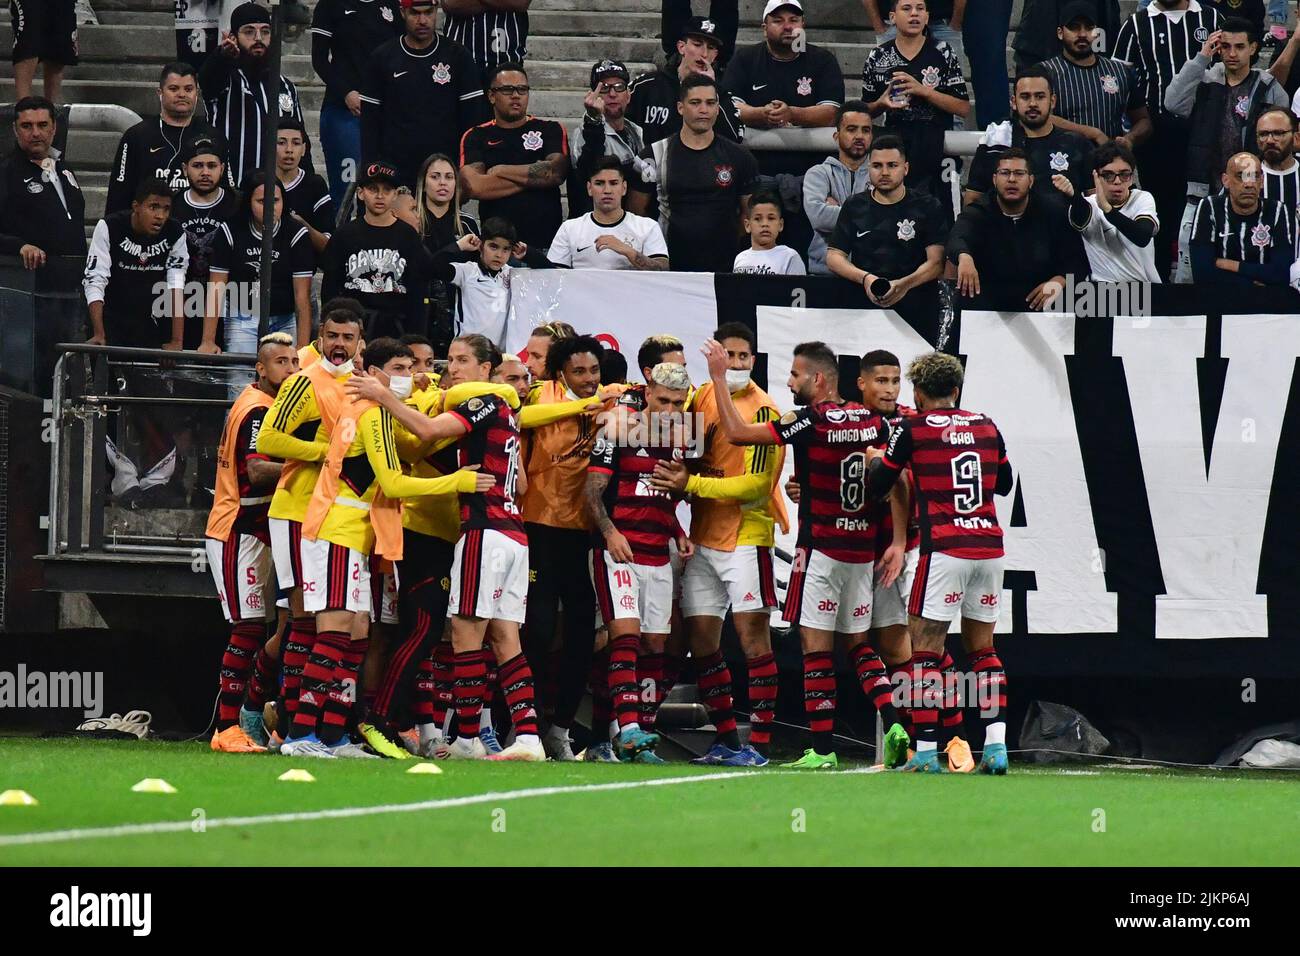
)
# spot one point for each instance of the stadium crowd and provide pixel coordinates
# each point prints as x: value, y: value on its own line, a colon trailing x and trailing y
x: 389, y: 474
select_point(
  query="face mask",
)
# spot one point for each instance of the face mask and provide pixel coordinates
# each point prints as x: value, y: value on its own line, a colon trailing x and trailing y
x: 401, y: 385
x: 737, y: 379
x: 341, y: 370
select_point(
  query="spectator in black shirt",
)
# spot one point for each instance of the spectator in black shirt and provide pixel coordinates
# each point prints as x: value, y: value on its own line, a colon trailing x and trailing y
x: 654, y: 95
x: 1032, y: 129
x: 153, y: 147
x: 1037, y: 34
x: 514, y: 164
x: 1095, y: 94
x: 1013, y: 241
x: 702, y: 182
x: 307, y: 198
x: 420, y: 92
x: 343, y: 35
x: 1240, y: 238
x: 784, y: 80
x: 201, y: 210
x: 441, y: 224
x: 42, y: 210
x: 916, y: 82
x: 890, y: 241
x: 379, y: 260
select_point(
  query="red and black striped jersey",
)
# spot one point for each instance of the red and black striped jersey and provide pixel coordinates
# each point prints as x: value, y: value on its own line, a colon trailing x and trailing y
x: 253, y: 504
x: 830, y: 464
x: 643, y: 515
x: 885, y: 517
x: 955, y: 456
x: 493, y: 445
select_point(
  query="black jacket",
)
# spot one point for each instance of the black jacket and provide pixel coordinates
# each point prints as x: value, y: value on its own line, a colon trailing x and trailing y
x: 653, y: 107
x: 1017, y: 254
x: 32, y: 213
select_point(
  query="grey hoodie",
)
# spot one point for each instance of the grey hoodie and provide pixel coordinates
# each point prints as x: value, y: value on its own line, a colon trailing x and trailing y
x: 831, y: 178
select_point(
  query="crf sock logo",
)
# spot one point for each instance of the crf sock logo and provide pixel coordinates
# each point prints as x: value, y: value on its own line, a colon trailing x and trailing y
x: 74, y: 909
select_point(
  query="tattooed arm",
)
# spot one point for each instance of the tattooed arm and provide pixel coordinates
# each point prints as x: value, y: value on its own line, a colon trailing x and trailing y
x: 543, y: 174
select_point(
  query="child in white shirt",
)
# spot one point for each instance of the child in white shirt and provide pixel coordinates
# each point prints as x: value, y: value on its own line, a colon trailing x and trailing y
x: 764, y: 224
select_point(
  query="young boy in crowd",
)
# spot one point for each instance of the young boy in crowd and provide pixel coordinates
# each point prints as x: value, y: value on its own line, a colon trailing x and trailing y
x: 764, y: 224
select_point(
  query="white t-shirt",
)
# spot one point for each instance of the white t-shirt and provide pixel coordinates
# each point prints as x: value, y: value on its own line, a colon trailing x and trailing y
x: 575, y: 244
x: 779, y: 261
x: 1112, y: 256
x: 484, y: 300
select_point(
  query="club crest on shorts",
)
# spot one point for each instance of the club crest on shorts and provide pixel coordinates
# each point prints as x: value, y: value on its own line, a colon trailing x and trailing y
x: 930, y: 76
x: 1260, y: 235
x: 724, y: 175
x: 533, y: 139
x: 442, y: 74
x: 906, y: 229
x: 1109, y: 85
x: 803, y: 86
x: 1059, y: 162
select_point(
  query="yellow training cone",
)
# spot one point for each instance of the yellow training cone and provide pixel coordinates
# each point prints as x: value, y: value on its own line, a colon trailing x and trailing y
x: 153, y: 785
x: 296, y: 776
x: 425, y: 768
x: 17, y: 798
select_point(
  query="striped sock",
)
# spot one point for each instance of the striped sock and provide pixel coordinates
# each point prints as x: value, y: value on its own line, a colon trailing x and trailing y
x: 517, y: 687
x: 317, y: 678
x: 266, y: 671
x: 422, y: 706
x: 443, y: 681
x: 875, y: 683
x: 819, y: 699
x: 602, y: 707
x: 950, y: 716
x: 990, y: 694
x: 470, y: 671
x: 623, y: 679
x: 762, y: 701
x: 927, y: 695
x: 298, y: 643
x: 343, y: 690
x: 236, y: 664
x: 899, y: 678
x: 714, y: 681
x: 651, y: 680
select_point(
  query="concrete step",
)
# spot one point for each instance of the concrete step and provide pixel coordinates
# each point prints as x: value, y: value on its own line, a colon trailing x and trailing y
x: 825, y: 13
x: 605, y: 23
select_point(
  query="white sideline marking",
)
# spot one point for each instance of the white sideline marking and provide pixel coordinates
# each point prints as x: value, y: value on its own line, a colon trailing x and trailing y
x: 182, y: 826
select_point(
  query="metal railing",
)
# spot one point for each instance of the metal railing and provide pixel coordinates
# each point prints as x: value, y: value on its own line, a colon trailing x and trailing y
x: 99, y: 389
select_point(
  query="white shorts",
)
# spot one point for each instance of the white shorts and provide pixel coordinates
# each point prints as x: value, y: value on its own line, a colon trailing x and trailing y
x: 715, y: 580
x: 334, y: 578
x: 679, y: 566
x: 241, y: 568
x: 945, y: 585
x: 638, y: 592
x: 286, y: 547
x: 890, y: 604
x: 829, y: 595
x: 489, y: 577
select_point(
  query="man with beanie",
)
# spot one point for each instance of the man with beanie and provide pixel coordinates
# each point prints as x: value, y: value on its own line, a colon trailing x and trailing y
x: 605, y: 130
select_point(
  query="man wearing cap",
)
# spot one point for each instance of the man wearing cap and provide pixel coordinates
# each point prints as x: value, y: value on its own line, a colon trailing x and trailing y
x: 1095, y: 93
x: 724, y: 16
x: 605, y: 130
x: 784, y: 80
x: 202, y: 208
x: 654, y: 95
x: 420, y: 92
x: 343, y: 35
x: 154, y: 146
x: 379, y: 260
x: 234, y: 87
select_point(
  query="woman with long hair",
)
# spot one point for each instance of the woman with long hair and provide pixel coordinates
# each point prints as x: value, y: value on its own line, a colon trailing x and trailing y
x: 441, y: 224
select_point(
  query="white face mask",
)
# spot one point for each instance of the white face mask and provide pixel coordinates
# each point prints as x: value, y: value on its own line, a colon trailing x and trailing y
x: 737, y: 378
x: 401, y: 385
x: 339, y: 371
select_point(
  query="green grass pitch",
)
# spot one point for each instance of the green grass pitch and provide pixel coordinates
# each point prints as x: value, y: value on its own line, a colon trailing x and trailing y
x: 567, y: 814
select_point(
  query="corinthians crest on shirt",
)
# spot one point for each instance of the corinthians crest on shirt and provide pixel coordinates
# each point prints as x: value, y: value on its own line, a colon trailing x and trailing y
x: 532, y: 139
x: 906, y: 229
x: 1260, y: 235
x: 930, y: 76
x: 1109, y: 85
x: 441, y: 74
x: 723, y: 175
x: 1059, y: 162
x: 803, y: 86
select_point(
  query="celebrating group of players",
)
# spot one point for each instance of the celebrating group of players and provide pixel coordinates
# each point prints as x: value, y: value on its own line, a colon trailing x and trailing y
x: 501, y: 536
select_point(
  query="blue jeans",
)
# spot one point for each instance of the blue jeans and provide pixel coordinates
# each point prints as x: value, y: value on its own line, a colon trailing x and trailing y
x: 340, y: 137
x: 241, y: 336
x: 985, y: 34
